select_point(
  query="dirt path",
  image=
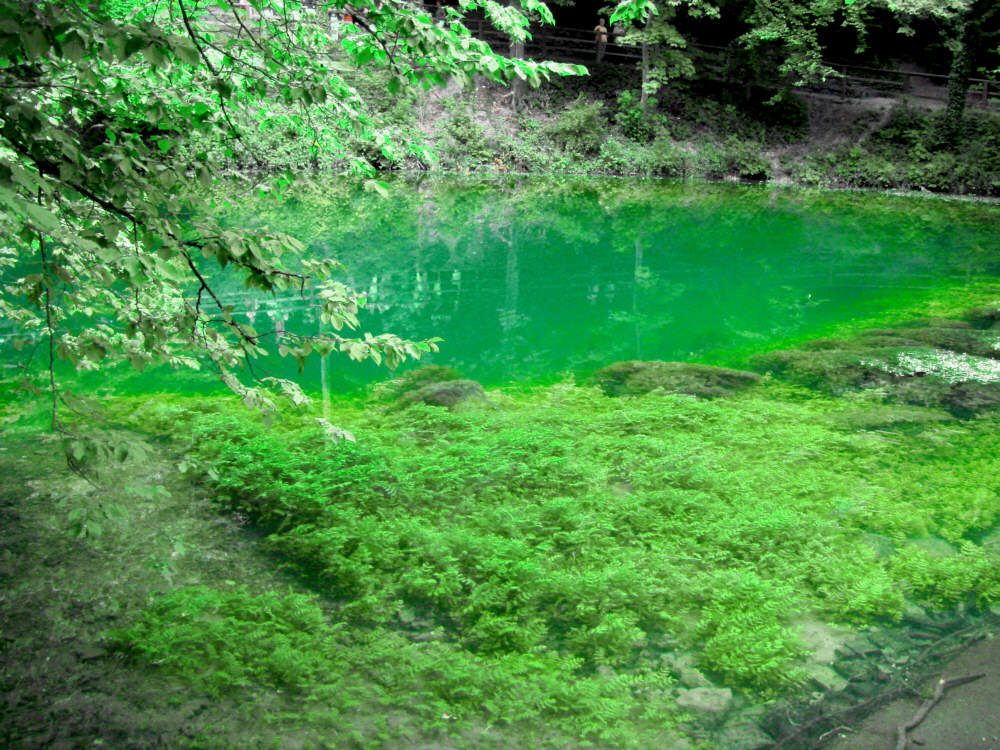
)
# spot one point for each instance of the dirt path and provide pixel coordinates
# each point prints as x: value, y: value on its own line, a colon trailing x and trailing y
x: 966, y: 718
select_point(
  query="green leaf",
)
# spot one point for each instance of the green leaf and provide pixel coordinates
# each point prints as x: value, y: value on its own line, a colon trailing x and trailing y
x: 155, y: 54
x: 43, y: 219
x: 132, y: 45
x: 377, y: 186
x: 35, y: 43
x: 186, y: 51
x: 134, y: 269
x: 72, y: 47
x: 223, y: 88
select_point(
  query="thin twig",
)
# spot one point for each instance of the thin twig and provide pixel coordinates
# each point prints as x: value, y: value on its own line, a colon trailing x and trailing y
x: 940, y: 688
x: 835, y: 729
x: 211, y: 68
x: 253, y: 39
x: 231, y: 322
x: 942, y: 639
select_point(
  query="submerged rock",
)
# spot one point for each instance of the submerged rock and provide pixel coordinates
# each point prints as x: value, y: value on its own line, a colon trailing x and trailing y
x: 832, y: 370
x: 968, y: 399
x: 742, y: 734
x: 984, y: 317
x: 821, y: 638
x: 822, y: 678
x: 880, y: 544
x: 688, y: 675
x: 675, y: 740
x: 705, y: 700
x: 933, y: 546
x: 946, y: 364
x: 450, y: 394
x: 951, y: 335
x: 434, y: 385
x: 915, y: 614
x: 414, y: 380
x: 635, y: 377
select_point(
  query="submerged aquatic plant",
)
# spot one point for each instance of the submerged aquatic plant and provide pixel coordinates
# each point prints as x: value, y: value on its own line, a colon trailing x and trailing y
x: 564, y: 521
x: 950, y: 366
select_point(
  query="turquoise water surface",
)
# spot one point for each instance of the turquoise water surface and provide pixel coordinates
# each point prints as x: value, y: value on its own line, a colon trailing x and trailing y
x: 532, y: 278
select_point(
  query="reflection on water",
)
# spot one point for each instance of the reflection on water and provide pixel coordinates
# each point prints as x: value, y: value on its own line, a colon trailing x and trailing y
x: 537, y: 277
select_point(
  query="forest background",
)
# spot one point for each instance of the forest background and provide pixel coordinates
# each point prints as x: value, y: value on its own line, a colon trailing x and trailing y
x: 730, y: 90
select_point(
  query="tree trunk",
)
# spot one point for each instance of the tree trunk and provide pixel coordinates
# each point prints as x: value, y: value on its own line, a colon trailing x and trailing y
x: 512, y: 287
x: 969, y: 41
x: 516, y: 50
x: 512, y: 277
x: 637, y: 274
x: 324, y: 387
x: 517, y: 85
x: 644, y: 88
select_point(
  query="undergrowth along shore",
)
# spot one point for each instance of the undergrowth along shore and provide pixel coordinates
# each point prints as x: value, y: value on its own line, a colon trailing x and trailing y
x: 699, y: 130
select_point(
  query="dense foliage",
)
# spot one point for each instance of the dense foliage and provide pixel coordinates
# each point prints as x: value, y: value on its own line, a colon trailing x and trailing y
x: 113, y: 249
x: 274, y: 477
x: 791, y: 39
x: 526, y: 572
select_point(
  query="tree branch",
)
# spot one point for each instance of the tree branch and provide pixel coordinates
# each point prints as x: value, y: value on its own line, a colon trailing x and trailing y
x: 231, y: 322
x: 208, y: 63
x: 939, y: 690
x: 249, y: 33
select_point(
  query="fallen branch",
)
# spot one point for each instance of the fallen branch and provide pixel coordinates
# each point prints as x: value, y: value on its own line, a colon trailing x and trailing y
x: 887, y: 696
x: 874, y: 701
x: 955, y: 634
x: 833, y: 731
x: 939, y: 690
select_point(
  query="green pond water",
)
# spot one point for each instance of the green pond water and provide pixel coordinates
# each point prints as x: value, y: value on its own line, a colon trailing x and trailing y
x: 529, y: 279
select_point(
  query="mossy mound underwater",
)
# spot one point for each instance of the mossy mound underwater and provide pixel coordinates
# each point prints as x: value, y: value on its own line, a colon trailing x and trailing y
x: 564, y: 567
x: 944, y: 363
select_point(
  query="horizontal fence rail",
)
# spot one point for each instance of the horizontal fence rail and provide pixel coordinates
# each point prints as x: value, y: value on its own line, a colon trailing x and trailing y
x: 567, y: 44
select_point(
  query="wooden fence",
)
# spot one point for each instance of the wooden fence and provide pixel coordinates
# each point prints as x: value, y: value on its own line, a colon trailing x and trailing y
x: 853, y: 81
x: 565, y: 44
x: 858, y: 81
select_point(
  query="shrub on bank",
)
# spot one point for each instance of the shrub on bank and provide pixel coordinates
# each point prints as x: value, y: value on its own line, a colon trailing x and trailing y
x: 635, y: 124
x: 689, y: 132
x: 467, y: 142
x: 907, y: 153
x: 854, y: 167
x: 580, y: 128
x: 669, y: 158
